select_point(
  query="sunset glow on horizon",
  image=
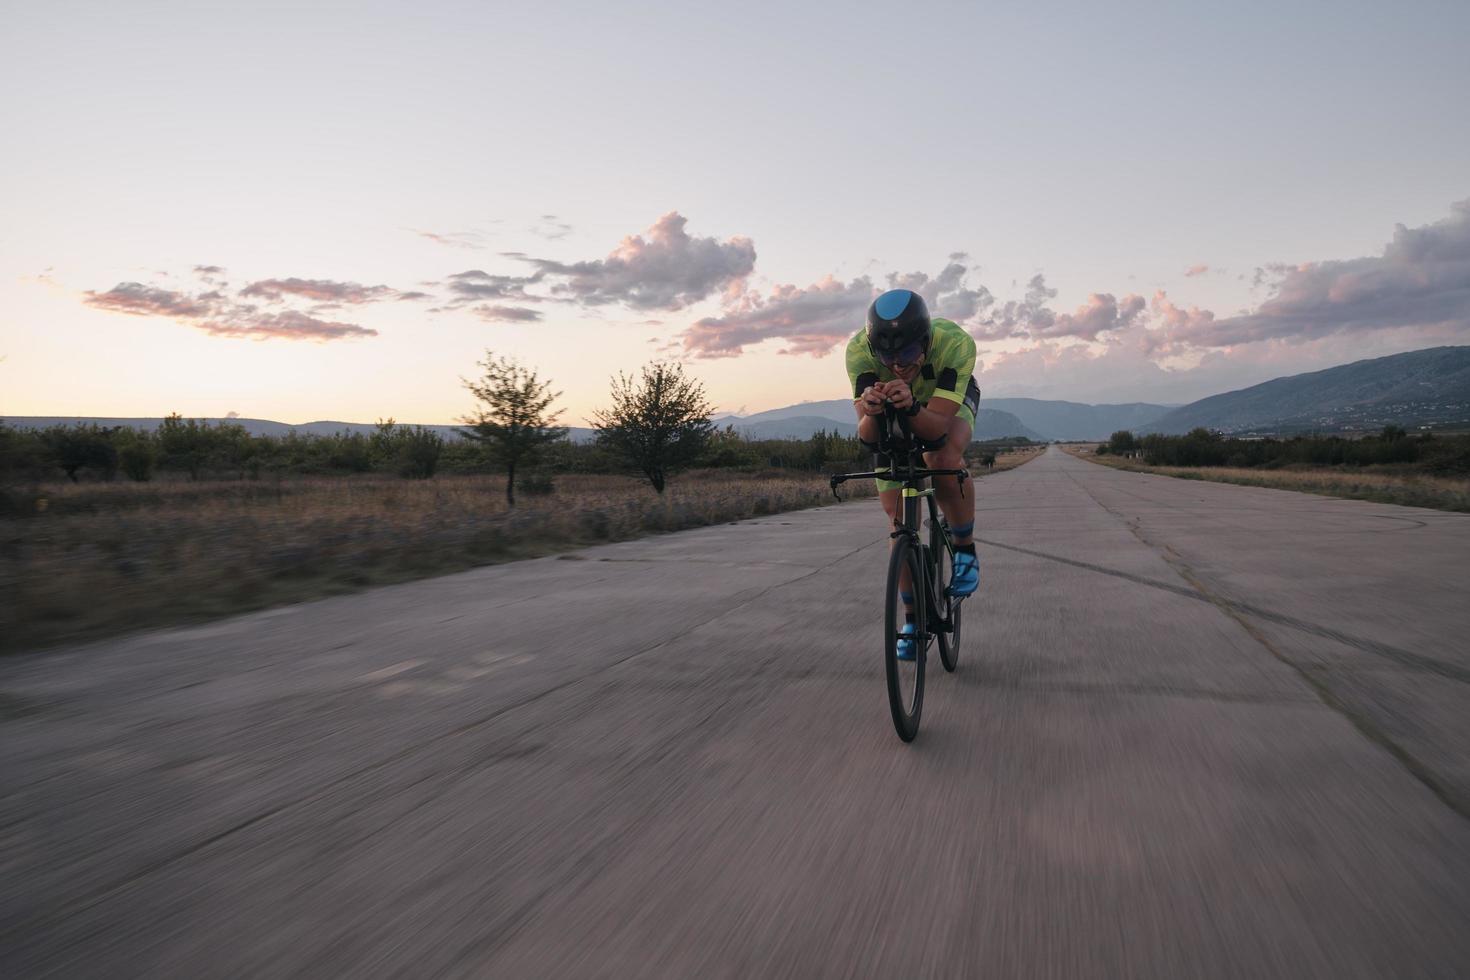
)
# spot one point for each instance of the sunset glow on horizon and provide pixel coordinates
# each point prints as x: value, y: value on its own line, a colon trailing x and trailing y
x: 305, y: 214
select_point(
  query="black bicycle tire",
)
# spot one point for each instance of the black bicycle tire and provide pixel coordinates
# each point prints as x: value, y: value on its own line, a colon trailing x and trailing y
x: 905, y: 722
x: 949, y: 641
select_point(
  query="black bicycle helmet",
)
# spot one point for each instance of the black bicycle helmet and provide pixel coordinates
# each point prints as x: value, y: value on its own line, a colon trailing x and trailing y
x: 898, y: 327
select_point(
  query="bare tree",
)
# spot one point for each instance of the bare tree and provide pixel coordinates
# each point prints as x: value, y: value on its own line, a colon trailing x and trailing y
x: 660, y: 422
x: 512, y: 421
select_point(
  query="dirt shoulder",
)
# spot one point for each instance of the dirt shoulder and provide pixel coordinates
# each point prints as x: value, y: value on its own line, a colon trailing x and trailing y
x: 1354, y: 483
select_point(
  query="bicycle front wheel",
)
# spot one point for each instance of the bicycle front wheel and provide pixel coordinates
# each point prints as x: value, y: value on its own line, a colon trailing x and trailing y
x: 949, y: 607
x: 905, y: 677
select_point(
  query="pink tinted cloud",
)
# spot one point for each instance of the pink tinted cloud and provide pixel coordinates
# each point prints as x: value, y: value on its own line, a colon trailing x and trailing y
x: 506, y: 314
x: 136, y: 299
x: 1102, y: 313
x: 454, y: 239
x: 318, y: 290
x: 218, y: 316
x: 1422, y: 280
x: 666, y: 270
x: 811, y: 319
x: 288, y: 325
x: 1196, y: 270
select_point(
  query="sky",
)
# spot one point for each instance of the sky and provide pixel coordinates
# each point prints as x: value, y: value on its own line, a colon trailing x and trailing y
x: 334, y: 210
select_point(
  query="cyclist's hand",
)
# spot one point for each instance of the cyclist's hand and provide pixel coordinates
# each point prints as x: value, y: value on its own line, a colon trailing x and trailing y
x: 872, y: 400
x: 899, y: 395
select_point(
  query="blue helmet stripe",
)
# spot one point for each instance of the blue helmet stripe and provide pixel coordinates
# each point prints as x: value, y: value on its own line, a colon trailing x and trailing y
x: 892, y: 303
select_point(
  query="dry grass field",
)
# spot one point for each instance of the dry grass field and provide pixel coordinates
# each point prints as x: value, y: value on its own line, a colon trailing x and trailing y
x: 93, y: 559
x: 1355, y: 483
x: 106, y: 557
x: 1010, y: 460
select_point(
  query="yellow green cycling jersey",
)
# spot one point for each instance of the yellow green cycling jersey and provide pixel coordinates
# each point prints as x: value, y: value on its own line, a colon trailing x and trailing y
x: 948, y: 370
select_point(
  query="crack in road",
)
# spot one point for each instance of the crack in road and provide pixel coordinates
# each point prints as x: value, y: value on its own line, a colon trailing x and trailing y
x: 1239, y: 612
x: 103, y: 892
x: 1404, y: 658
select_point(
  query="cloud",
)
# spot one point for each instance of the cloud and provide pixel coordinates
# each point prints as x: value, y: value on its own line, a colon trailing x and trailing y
x: 136, y: 299
x: 947, y: 294
x: 288, y: 325
x: 319, y: 290
x: 513, y: 314
x: 667, y: 270
x: 44, y: 278
x: 1196, y: 270
x: 454, y: 239
x: 1422, y: 280
x: 811, y: 319
x: 218, y: 316
x: 1102, y: 313
x: 476, y: 285
x: 551, y: 228
x: 413, y: 295
x: 1019, y: 318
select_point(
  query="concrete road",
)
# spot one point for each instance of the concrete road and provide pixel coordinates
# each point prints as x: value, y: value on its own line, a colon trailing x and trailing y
x: 1198, y: 730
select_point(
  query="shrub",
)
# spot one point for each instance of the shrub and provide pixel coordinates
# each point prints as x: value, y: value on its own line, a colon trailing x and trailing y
x: 137, y: 456
x: 537, y: 483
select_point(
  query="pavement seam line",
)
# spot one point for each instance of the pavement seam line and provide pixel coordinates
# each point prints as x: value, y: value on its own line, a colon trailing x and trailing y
x: 103, y: 892
x: 1410, y: 763
x: 1404, y: 658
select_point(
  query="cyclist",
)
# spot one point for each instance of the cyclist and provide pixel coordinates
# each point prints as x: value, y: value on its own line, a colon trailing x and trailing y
x: 923, y: 367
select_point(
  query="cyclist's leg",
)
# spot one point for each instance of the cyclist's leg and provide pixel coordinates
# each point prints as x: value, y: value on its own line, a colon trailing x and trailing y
x: 958, y: 506
x: 889, y: 493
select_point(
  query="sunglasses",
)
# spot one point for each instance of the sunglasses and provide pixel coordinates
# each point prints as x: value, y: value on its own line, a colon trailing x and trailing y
x: 907, y: 355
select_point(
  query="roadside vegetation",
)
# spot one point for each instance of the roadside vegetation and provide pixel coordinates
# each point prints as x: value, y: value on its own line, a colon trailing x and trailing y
x: 1427, y: 470
x: 109, y: 529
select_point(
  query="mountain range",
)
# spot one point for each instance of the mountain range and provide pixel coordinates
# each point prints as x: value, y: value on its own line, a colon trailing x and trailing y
x: 1419, y: 388
x: 1034, y: 418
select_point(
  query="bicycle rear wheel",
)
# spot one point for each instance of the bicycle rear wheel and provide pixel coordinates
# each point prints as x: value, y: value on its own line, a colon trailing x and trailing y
x: 949, y: 607
x: 905, y: 677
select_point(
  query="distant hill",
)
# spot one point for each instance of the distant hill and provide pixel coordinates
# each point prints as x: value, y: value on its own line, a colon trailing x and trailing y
x: 1075, y: 420
x: 800, y: 421
x: 1424, y: 387
x: 1038, y: 418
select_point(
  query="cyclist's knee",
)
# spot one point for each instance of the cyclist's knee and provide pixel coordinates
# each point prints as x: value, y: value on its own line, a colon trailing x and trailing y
x: 947, y: 457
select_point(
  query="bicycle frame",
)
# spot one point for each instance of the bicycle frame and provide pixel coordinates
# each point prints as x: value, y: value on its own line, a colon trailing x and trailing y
x: 913, y: 475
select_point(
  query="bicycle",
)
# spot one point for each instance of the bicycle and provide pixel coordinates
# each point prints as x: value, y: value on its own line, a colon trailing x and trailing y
x: 936, y: 613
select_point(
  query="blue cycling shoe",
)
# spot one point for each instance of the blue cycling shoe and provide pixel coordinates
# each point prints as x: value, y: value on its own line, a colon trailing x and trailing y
x: 965, y: 577
x: 906, y: 647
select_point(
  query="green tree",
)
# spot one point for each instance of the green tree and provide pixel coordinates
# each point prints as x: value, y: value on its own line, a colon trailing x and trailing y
x: 23, y: 455
x: 137, y: 454
x: 77, y: 447
x: 660, y: 422
x: 410, y: 452
x: 728, y: 448
x: 418, y: 453
x: 513, y: 422
x: 184, y: 444
x: 1122, y: 443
